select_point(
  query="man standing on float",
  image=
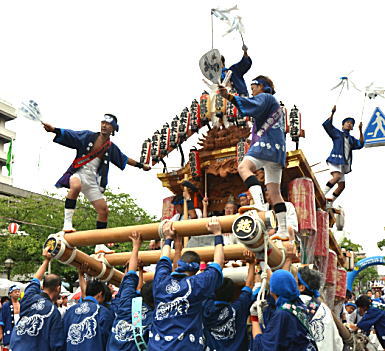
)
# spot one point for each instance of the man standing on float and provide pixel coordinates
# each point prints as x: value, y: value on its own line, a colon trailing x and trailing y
x: 89, y: 171
x: 267, y: 149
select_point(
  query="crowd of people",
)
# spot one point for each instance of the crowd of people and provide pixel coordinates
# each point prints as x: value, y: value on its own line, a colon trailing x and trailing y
x: 184, y: 308
x: 188, y: 306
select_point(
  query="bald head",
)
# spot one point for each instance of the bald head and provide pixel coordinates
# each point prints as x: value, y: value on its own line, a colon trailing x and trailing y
x: 51, y: 282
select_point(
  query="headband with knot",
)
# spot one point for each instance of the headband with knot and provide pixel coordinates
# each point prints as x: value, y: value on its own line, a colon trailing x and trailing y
x: 187, y: 267
x: 315, y: 292
x: 111, y: 119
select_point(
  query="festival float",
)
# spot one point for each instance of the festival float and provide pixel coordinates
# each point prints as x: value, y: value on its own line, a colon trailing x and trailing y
x: 211, y: 171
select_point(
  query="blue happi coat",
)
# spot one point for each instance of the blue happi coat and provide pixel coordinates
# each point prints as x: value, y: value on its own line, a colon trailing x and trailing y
x: 6, y: 321
x: 82, y: 141
x: 225, y: 324
x: 284, y: 332
x: 177, y: 323
x: 122, y: 337
x: 268, y: 138
x: 238, y: 71
x: 87, y: 326
x: 337, y: 155
x: 40, y: 327
x: 374, y: 317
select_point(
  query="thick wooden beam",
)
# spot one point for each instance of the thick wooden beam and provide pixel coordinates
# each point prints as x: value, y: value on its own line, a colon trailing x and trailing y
x: 191, y: 227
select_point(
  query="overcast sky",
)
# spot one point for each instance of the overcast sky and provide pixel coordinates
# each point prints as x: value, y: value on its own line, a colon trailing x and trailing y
x: 139, y: 60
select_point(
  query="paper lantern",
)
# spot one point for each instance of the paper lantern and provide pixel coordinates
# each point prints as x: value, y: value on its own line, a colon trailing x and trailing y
x: 301, y: 195
x: 146, y: 152
x: 242, y: 148
x: 341, y: 283
x: 13, y: 228
x: 195, y: 164
x: 331, y: 273
x: 322, y: 235
x: 205, y: 107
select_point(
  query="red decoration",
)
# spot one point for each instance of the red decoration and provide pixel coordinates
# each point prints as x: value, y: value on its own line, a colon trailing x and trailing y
x: 341, y: 283
x: 322, y: 236
x: 195, y: 164
x: 331, y: 272
x: 13, y: 228
x: 301, y: 195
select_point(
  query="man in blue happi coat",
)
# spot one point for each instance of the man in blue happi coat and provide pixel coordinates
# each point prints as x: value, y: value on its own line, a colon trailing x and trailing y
x: 87, y: 325
x: 88, y: 173
x: 179, y: 295
x: 134, y: 308
x: 40, y: 327
x: 267, y: 147
x: 225, y: 320
x: 341, y: 156
x: 238, y: 71
x: 9, y: 315
x: 289, y: 328
x: 373, y: 316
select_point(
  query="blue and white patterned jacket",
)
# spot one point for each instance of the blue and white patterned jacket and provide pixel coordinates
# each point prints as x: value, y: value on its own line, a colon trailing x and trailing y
x: 337, y: 155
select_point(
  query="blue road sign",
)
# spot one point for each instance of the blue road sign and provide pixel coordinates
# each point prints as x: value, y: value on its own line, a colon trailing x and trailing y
x: 375, y: 131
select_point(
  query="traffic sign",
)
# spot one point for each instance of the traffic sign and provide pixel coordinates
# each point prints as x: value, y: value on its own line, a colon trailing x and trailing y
x: 375, y: 131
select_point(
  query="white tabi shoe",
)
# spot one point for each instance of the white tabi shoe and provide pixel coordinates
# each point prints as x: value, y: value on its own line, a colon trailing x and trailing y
x: 101, y: 248
x: 68, y: 229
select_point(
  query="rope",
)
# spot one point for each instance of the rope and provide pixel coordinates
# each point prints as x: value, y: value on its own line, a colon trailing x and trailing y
x: 160, y: 228
x: 363, y: 107
x: 261, y: 293
x: 339, y: 95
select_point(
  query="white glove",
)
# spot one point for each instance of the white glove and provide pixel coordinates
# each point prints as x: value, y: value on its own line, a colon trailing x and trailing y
x: 254, y: 309
x: 244, y: 47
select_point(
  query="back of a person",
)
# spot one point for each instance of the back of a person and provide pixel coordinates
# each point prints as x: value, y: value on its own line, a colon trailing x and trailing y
x: 83, y: 326
x: 226, y: 326
x: 177, y: 323
x: 322, y: 326
x: 39, y: 323
x: 122, y: 336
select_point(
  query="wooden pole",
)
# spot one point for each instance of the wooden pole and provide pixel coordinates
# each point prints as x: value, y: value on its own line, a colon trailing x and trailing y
x: 190, y: 227
x: 185, y: 209
x: 206, y: 253
x: 95, y: 267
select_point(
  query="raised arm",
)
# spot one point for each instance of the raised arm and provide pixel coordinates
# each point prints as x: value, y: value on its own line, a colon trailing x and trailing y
x: 178, y: 244
x: 213, y: 226
x: 205, y: 203
x: 136, y: 243
x: 190, y: 204
x: 134, y: 163
x: 140, y: 271
x: 362, y: 140
x: 49, y: 128
x: 250, y: 259
x: 169, y: 234
x: 44, y: 266
x: 83, y: 269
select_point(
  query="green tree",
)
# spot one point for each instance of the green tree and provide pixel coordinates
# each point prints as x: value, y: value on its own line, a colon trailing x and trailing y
x: 381, y: 244
x: 351, y: 246
x: 40, y: 216
x: 364, y: 277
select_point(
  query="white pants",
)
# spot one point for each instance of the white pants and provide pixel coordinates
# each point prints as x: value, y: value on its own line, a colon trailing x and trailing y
x: 89, y: 180
x: 273, y: 171
x: 339, y: 168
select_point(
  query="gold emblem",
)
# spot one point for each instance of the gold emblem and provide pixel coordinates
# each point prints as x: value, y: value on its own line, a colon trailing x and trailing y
x: 244, y: 225
x: 50, y: 244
